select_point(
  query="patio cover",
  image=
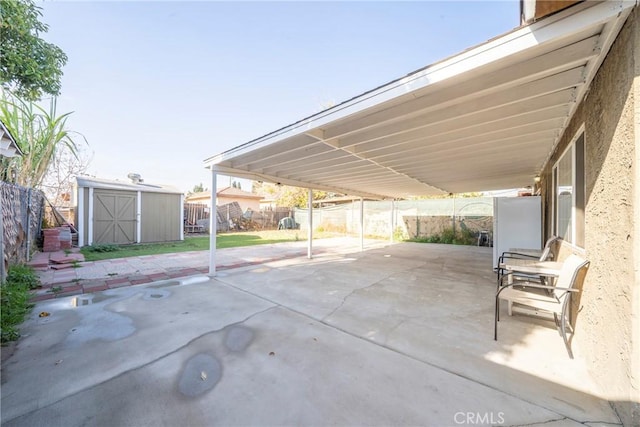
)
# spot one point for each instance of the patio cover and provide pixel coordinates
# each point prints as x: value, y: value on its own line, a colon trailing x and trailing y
x: 484, y: 119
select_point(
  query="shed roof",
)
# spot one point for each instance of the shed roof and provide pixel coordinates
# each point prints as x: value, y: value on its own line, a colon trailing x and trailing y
x: 487, y: 118
x: 85, y: 181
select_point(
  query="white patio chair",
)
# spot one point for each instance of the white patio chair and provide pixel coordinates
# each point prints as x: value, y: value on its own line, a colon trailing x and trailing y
x: 554, y: 299
x: 535, y: 255
x: 546, y: 252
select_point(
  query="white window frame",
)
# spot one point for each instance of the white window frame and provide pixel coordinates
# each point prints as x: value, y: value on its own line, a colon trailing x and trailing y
x: 571, y: 149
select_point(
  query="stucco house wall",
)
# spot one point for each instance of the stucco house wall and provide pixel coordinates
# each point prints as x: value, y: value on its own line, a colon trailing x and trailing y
x: 607, y: 323
x: 245, y: 203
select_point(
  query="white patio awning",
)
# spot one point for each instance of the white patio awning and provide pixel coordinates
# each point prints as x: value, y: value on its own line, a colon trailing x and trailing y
x: 484, y: 119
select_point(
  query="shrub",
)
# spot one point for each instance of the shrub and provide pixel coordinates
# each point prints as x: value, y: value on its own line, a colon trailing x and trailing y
x: 14, y: 300
x: 23, y: 275
x: 450, y: 237
x: 102, y: 248
x: 399, y: 234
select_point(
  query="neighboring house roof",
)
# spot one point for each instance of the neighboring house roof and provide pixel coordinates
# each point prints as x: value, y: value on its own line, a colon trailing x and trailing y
x: 8, y: 145
x: 201, y: 195
x: 236, y: 192
x: 229, y: 192
x: 484, y: 119
x: 85, y: 181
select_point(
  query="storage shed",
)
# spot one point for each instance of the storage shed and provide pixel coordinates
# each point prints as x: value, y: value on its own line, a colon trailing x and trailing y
x: 120, y: 212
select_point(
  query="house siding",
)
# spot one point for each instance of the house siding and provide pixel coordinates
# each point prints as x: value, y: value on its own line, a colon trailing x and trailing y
x: 160, y: 217
x: 607, y: 323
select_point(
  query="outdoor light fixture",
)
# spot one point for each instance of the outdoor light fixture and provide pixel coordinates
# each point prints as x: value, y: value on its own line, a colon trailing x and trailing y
x: 536, y: 179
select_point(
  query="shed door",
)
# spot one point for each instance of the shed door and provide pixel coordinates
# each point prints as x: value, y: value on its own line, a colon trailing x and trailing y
x: 114, y: 217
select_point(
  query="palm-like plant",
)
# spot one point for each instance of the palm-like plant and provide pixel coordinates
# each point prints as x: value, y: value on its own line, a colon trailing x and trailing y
x: 38, y: 133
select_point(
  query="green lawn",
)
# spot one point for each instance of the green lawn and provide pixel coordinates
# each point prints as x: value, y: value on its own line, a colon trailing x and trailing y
x: 198, y: 243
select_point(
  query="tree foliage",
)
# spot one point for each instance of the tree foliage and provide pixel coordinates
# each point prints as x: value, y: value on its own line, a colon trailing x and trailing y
x: 29, y: 65
x: 59, y: 180
x: 198, y: 188
x: 296, y: 197
x: 38, y: 133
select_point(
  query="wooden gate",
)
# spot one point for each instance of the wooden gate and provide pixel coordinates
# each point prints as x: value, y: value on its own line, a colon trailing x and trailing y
x: 114, y: 217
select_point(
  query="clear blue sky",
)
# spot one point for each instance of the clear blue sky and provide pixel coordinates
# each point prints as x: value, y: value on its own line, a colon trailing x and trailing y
x: 157, y: 87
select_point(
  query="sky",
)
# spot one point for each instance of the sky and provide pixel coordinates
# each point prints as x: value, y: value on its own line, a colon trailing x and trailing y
x: 156, y: 87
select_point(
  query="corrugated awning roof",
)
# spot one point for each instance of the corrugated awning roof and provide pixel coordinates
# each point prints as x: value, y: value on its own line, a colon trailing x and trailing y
x: 485, y: 119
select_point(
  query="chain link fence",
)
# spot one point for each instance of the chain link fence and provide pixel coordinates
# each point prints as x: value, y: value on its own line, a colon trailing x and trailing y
x: 412, y: 219
x: 22, y: 211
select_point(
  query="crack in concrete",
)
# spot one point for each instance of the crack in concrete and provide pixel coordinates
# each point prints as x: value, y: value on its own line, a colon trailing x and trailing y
x: 603, y: 423
x: 137, y: 368
x: 394, y: 328
x: 586, y: 423
x: 350, y: 294
x: 615, y: 411
x: 353, y: 291
x: 539, y: 423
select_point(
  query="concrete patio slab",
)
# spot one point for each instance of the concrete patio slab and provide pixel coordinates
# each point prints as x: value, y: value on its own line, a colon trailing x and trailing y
x: 86, y: 276
x: 399, y: 335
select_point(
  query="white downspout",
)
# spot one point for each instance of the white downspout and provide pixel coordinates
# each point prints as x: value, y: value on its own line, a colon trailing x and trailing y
x: 80, y: 211
x: 182, y: 217
x: 139, y: 217
x: 90, y: 225
x: 361, y: 224
x: 310, y: 230
x: 213, y: 223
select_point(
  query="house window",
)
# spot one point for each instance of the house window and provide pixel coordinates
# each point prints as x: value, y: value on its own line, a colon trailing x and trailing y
x: 569, y: 193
